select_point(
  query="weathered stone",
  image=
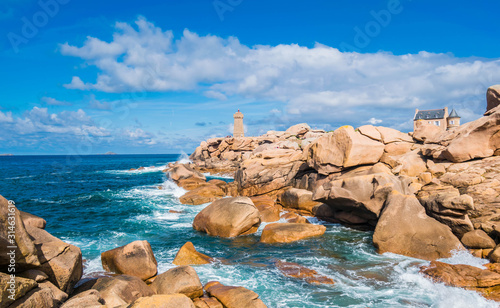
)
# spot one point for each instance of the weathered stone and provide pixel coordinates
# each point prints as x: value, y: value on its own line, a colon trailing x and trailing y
x: 300, y: 199
x: 202, y: 194
x: 298, y: 130
x: 478, y: 239
x: 290, y: 232
x: 460, y: 275
x: 364, y: 195
x: 37, y: 298
x: 33, y: 220
x: 58, y: 295
x: 292, y: 217
x: 191, y: 183
x: 425, y: 132
x: 182, y: 279
x: 62, y: 262
x: 25, y: 254
x: 188, y: 255
x: 398, y: 148
x: 134, y: 259
x: 341, y: 149
x: 268, y: 209
x: 234, y: 297
x: 390, y: 135
x: 163, y: 301
x: 207, y: 302
x: 494, y: 255
x: 183, y: 171
x: 370, y: 131
x: 228, y: 217
x: 34, y: 274
x: 19, y: 286
x: 404, y: 228
x: 121, y: 290
x: 88, y: 299
x: 492, y: 97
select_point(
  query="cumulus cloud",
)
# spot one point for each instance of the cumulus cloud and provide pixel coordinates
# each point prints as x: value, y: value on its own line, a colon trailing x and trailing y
x: 320, y: 83
x: 374, y: 121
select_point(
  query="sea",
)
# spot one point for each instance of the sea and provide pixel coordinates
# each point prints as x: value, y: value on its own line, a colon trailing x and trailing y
x: 97, y: 203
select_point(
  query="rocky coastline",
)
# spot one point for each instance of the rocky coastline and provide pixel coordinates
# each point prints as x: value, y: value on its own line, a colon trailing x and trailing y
x: 424, y: 195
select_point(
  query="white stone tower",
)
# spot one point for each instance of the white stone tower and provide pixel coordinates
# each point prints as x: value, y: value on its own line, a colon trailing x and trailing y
x: 238, y: 131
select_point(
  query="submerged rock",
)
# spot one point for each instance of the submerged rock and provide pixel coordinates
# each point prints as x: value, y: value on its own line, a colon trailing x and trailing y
x: 134, y: 259
x: 290, y: 232
x: 188, y: 255
x: 295, y: 270
x: 228, y: 217
x: 404, y: 228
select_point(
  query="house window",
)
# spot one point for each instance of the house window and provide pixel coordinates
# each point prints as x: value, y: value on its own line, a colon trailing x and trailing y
x: 430, y: 122
x: 452, y: 122
x: 437, y: 123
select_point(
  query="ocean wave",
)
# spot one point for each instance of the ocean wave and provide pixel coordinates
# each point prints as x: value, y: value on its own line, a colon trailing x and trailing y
x: 465, y: 257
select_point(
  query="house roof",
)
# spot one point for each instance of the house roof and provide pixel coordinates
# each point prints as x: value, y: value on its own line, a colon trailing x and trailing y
x: 453, y: 114
x: 429, y: 114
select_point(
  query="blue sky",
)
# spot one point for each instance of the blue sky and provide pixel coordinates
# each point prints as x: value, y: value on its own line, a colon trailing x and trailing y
x: 84, y: 77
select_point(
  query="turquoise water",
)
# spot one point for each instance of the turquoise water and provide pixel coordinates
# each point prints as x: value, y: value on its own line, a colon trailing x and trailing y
x: 95, y: 203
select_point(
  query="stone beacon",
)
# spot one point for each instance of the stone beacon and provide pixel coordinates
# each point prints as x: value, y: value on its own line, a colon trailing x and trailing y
x: 238, y: 125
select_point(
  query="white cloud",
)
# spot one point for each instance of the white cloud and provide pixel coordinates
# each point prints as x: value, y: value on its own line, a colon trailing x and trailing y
x: 100, y: 105
x: 54, y: 102
x: 319, y: 83
x: 374, y: 121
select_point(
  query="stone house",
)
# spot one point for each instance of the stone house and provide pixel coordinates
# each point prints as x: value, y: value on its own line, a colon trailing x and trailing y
x: 437, y: 117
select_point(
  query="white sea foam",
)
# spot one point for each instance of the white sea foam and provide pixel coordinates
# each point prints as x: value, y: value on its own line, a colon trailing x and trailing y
x: 184, y: 159
x: 136, y: 171
x: 465, y: 257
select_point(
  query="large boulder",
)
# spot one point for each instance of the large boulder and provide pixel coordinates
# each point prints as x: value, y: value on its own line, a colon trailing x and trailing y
x: 184, y: 171
x: 33, y: 220
x: 234, y: 297
x: 269, y: 210
x: 492, y: 97
x: 478, y: 239
x: 121, y: 290
x: 188, y: 255
x: 299, y: 199
x: 61, y: 261
x: 298, y: 130
x: 203, y: 194
x: 134, y: 259
x: 425, y: 132
x: 21, y: 248
x: 268, y: 172
x: 39, y: 298
x: 90, y: 298
x: 342, y: 149
x: 405, y: 229
x: 362, y: 195
x: 181, y: 279
x: 163, y: 301
x: 13, y: 288
x: 228, y: 217
x: 445, y: 204
x: 290, y: 232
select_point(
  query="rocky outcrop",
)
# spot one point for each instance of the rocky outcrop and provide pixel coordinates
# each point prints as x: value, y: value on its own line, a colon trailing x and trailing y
x: 61, y: 261
x: 342, y: 149
x: 268, y: 172
x: 464, y: 276
x: 404, y: 228
x: 183, y: 171
x: 203, y: 194
x: 228, y: 217
x: 234, y: 297
x: 121, y: 290
x: 290, y: 232
x: 134, y: 259
x: 182, y: 279
x: 188, y: 255
x: 492, y: 97
x: 445, y: 204
x: 25, y: 254
x: 358, y: 197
